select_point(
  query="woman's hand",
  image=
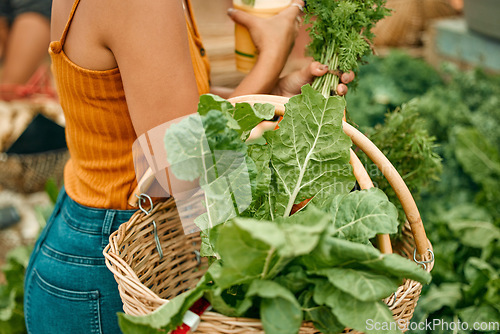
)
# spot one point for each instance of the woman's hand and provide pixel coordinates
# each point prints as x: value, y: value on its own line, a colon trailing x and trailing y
x: 291, y: 84
x: 274, y: 38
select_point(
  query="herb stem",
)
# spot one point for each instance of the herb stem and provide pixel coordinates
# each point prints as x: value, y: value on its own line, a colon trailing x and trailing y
x: 328, y: 83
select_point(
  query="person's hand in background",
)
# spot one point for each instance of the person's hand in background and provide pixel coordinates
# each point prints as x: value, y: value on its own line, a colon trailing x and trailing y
x: 274, y: 38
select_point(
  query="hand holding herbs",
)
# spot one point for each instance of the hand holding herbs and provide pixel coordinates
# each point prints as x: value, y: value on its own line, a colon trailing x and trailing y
x: 316, y: 265
x: 341, y: 35
x: 291, y: 84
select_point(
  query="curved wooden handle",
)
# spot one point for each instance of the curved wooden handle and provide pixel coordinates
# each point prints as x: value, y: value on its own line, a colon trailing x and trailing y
x: 365, y: 182
x: 397, y: 184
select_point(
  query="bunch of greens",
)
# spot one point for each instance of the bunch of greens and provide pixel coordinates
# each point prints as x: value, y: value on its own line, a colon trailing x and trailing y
x: 316, y: 265
x: 340, y: 32
x: 405, y: 140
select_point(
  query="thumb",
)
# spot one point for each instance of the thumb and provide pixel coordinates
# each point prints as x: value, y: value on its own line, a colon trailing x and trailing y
x: 313, y: 70
x: 241, y: 17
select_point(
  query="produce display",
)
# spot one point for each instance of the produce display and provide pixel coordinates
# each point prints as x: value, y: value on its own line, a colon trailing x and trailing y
x: 459, y: 200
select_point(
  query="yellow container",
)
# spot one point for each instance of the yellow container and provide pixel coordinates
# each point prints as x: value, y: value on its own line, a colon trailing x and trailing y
x: 245, y: 51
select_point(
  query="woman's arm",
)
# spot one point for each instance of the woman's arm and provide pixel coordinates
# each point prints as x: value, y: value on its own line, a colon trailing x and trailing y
x: 150, y: 44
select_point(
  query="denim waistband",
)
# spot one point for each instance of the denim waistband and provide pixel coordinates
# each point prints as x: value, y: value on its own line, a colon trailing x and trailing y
x: 92, y: 220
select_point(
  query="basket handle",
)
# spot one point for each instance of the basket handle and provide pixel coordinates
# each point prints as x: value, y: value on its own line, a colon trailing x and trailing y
x: 372, y: 151
x: 365, y: 182
x: 143, y: 185
x: 397, y: 183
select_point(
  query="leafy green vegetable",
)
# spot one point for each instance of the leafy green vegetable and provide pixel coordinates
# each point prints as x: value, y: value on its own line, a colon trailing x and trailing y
x: 209, y: 147
x: 359, y: 216
x: 254, y: 249
x: 280, y: 311
x: 310, y: 152
x: 320, y: 315
x: 365, y: 286
x: 341, y: 35
x: 350, y: 311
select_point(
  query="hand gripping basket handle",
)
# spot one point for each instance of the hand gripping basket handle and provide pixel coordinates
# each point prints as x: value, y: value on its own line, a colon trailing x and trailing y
x: 385, y: 166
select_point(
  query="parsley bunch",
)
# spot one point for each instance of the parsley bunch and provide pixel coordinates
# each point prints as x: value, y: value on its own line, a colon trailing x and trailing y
x: 340, y: 32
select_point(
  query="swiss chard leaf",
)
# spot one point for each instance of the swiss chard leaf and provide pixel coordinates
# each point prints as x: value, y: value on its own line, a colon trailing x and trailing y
x: 310, y: 151
x: 360, y: 215
x: 260, y: 208
x: 254, y: 249
x: 363, y: 285
x: 320, y: 315
x: 243, y: 117
x: 352, y: 312
x: 209, y: 146
x: 249, y: 116
x: 332, y: 252
x: 205, y: 148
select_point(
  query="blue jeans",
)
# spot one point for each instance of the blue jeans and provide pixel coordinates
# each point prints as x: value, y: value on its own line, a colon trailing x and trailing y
x: 68, y: 288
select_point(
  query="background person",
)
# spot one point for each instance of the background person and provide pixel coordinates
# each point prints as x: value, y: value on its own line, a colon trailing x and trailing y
x: 24, y: 39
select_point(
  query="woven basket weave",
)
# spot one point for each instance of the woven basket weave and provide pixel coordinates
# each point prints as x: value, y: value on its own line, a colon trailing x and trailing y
x: 145, y: 282
x: 28, y: 173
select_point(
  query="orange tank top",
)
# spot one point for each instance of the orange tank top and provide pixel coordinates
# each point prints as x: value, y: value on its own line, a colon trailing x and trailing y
x: 99, y: 132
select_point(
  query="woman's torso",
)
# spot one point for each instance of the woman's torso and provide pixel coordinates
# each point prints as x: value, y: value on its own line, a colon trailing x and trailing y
x: 99, y: 131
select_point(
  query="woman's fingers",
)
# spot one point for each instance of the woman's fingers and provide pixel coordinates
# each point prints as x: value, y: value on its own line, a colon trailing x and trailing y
x: 347, y: 77
x: 241, y: 17
x: 316, y: 69
x: 341, y: 89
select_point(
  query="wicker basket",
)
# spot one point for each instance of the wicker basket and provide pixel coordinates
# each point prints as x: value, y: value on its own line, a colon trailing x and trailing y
x: 145, y: 282
x: 408, y: 20
x: 28, y: 173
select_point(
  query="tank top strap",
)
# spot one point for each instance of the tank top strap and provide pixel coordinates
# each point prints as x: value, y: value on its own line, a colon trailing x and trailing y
x: 189, y: 13
x: 70, y: 19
